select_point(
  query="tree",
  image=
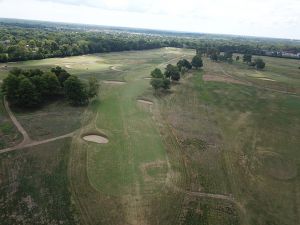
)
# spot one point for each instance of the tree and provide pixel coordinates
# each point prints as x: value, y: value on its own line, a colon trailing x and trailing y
x: 166, y: 83
x: 183, y: 63
x: 61, y: 74
x: 160, y: 83
x: 259, y: 63
x: 75, y: 91
x: 172, y: 72
x: 156, y: 83
x: 28, y: 96
x: 247, y: 58
x: 52, y: 85
x: 93, y: 87
x: 228, y: 56
x: 214, y: 57
x: 10, y: 87
x: 156, y: 73
x: 197, y: 61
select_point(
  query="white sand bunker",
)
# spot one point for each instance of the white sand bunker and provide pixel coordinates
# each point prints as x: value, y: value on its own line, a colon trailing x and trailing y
x: 145, y: 102
x: 114, y: 68
x: 148, y: 78
x: 113, y: 82
x: 267, y: 79
x: 95, y: 138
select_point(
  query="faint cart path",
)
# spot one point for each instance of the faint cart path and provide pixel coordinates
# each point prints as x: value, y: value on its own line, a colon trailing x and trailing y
x: 26, y: 138
x: 257, y: 86
x: 227, y: 198
x: 27, y: 141
x: 171, y: 60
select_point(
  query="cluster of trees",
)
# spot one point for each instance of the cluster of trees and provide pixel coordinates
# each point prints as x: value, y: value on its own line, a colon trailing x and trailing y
x: 173, y: 73
x: 215, y: 55
x: 31, y: 88
x: 258, y: 63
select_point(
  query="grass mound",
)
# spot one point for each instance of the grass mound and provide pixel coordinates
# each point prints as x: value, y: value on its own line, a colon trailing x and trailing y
x: 276, y: 166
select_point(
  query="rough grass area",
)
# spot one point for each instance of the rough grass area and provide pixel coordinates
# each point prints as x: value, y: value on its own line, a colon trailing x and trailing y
x: 34, y: 187
x: 51, y: 120
x: 241, y: 124
x: 9, y: 135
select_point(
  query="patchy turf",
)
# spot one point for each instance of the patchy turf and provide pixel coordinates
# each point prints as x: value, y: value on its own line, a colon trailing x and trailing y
x: 34, y: 186
x: 52, y: 120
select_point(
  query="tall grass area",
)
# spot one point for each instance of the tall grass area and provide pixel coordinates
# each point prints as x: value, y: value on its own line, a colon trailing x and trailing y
x: 251, y: 143
x: 34, y: 186
x: 9, y: 135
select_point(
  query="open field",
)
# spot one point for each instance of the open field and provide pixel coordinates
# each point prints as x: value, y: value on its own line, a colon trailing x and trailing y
x: 220, y: 148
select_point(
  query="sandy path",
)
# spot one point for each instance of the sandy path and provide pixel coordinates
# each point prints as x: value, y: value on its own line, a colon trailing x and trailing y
x: 35, y: 143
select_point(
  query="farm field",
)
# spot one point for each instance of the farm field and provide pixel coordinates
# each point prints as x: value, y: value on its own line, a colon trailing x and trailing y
x: 222, y: 147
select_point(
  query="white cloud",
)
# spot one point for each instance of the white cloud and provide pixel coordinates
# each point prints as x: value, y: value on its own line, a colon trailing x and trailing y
x: 278, y: 18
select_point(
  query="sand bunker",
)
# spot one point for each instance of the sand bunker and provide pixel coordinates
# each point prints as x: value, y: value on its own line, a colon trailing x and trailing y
x: 113, y: 82
x: 267, y: 79
x: 68, y: 66
x: 145, y: 102
x: 95, y: 138
x: 148, y: 78
x: 222, y: 79
x: 114, y: 68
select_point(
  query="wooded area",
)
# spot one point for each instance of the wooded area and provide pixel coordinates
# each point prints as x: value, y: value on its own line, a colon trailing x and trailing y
x: 21, y: 41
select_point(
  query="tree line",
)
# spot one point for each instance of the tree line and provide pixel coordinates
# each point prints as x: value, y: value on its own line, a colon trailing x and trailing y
x: 215, y: 55
x: 22, y: 41
x: 31, y: 88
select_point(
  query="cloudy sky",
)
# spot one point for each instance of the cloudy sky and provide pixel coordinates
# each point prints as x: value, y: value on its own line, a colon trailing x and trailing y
x: 268, y: 18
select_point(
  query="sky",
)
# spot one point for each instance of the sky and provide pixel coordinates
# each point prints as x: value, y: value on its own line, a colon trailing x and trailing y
x: 265, y: 18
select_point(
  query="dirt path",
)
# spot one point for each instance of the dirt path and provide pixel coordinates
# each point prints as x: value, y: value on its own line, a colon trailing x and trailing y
x: 27, y: 141
x: 35, y: 143
x: 166, y: 63
x: 26, y: 138
x: 228, y: 198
